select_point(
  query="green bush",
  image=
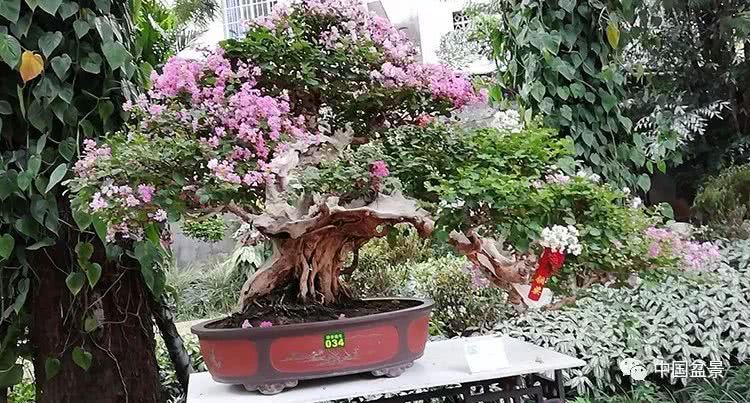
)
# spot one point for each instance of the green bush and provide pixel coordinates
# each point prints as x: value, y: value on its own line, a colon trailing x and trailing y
x: 722, y: 203
x: 704, y: 316
x: 464, y: 302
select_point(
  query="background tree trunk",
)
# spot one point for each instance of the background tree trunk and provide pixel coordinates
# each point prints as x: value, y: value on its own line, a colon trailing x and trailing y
x: 123, y: 366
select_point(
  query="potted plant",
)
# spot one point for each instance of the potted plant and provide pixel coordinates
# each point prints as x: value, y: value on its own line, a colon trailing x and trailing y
x: 295, y: 130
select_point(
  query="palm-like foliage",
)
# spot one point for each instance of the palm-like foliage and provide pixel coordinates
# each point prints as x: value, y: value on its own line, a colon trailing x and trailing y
x: 164, y: 31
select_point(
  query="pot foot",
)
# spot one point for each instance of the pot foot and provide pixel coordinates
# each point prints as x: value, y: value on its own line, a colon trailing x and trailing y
x: 392, y: 372
x: 271, y: 388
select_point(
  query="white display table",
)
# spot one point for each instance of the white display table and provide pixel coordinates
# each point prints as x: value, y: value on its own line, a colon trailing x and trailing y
x: 443, y: 364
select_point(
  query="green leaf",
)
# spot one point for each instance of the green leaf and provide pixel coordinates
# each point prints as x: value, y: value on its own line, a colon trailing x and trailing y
x: 81, y: 27
x: 588, y: 138
x: 92, y: 63
x: 644, y: 182
x: 10, y: 50
x: 82, y: 219
x: 21, y: 28
x: 608, y: 100
x: 41, y: 244
x: 38, y: 208
x: 24, y: 180
x: 10, y: 9
x: 35, y: 162
x: 50, y: 6
x: 7, y: 243
x: 40, y: 144
x: 116, y: 54
x: 51, y: 367
x: 93, y: 273
x: 567, y: 5
x: 23, y: 291
x: 100, y: 226
x: 60, y: 65
x: 538, y: 90
x: 5, y: 108
x: 662, y: 166
x: 613, y: 34
x: 90, y: 324
x: 563, y: 92
x: 75, y: 282
x: 67, y: 9
x: 82, y: 358
x: 84, y: 250
x: 566, y: 112
x: 590, y: 96
x: 57, y: 175
x: 11, y: 376
x: 67, y: 148
x: 49, y: 42
x: 103, y: 5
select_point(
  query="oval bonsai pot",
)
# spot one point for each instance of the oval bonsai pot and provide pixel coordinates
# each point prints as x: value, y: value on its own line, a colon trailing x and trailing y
x: 272, y: 358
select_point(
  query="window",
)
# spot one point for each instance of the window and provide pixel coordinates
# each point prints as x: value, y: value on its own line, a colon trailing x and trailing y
x: 238, y: 12
x: 460, y: 20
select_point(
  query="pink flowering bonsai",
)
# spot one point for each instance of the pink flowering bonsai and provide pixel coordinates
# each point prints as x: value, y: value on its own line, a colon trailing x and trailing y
x: 282, y: 129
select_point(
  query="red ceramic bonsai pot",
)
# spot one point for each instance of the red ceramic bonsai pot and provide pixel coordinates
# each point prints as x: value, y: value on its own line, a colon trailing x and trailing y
x: 270, y: 359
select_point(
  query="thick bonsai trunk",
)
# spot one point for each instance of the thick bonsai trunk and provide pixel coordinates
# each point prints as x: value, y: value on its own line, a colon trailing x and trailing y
x: 123, y: 366
x: 312, y: 243
x: 310, y: 248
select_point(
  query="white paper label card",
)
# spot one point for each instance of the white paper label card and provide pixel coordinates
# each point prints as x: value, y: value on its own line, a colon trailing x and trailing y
x: 485, y: 354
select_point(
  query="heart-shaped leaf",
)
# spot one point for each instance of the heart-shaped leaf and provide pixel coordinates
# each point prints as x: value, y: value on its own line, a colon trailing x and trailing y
x: 10, y: 50
x: 92, y: 63
x: 75, y: 282
x: 49, y: 42
x: 10, y: 9
x: 50, y: 6
x: 82, y: 358
x: 81, y: 27
x: 84, y: 251
x: 31, y: 67
x: 90, y: 324
x: 116, y: 54
x: 67, y: 9
x: 51, y: 367
x: 82, y: 218
x: 12, y: 375
x: 57, y: 175
x: 7, y: 242
x: 60, y: 65
x: 93, y: 273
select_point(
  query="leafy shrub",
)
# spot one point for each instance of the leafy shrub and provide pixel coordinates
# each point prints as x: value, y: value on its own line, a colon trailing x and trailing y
x: 691, y: 317
x: 463, y: 301
x: 209, y: 229
x: 384, y: 263
x: 722, y: 202
x: 520, y: 183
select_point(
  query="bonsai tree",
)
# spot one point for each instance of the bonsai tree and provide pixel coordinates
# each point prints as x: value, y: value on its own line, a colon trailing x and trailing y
x: 312, y: 95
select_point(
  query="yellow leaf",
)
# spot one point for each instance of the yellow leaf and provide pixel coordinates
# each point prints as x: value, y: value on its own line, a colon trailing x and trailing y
x: 32, y: 65
x: 613, y: 34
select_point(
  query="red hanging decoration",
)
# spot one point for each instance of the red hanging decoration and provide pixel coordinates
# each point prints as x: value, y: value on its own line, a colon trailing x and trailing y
x: 549, y: 263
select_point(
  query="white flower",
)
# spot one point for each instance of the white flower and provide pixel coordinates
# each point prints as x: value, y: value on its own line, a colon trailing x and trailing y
x: 636, y: 203
x: 626, y: 190
x: 561, y: 239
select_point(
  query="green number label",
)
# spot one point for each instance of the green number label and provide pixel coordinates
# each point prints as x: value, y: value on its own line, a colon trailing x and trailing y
x: 334, y: 340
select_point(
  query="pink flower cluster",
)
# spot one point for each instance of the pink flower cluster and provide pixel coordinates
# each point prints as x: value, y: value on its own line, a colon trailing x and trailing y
x: 358, y: 27
x: 92, y: 155
x: 692, y: 254
x: 379, y: 169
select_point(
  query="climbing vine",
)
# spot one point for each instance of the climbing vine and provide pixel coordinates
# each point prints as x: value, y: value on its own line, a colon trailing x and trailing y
x: 562, y: 60
x: 65, y: 70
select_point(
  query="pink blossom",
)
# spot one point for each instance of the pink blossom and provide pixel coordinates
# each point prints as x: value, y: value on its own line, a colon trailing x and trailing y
x: 424, y: 120
x: 146, y: 192
x: 266, y: 324
x: 160, y: 215
x: 379, y: 169
x: 98, y: 202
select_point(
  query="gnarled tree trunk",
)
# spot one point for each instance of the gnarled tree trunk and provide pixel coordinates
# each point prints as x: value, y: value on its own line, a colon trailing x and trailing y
x: 312, y: 242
